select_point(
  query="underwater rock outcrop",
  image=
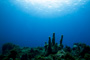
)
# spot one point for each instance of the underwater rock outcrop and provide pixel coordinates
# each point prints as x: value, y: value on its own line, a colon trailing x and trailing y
x: 50, y: 51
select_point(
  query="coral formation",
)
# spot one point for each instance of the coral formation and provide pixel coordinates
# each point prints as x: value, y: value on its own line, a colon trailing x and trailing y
x: 7, y: 47
x: 50, y: 51
x: 52, y: 47
x: 53, y: 39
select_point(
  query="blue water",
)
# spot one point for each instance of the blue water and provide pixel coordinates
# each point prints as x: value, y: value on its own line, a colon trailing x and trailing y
x: 23, y: 29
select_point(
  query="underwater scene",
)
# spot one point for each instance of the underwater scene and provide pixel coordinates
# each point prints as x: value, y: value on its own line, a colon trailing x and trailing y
x: 44, y: 29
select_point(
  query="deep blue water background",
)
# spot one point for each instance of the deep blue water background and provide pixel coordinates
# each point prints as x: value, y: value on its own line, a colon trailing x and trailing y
x: 23, y: 29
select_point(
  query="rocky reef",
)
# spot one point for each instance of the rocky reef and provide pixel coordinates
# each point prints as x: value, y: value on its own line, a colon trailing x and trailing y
x: 50, y: 51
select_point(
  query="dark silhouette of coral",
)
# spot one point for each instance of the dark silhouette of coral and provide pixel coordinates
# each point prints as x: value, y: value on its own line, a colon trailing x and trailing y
x: 52, y: 48
x: 53, y: 39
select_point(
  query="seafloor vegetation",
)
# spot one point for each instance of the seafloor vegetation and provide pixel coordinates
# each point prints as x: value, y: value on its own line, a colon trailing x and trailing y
x: 50, y: 51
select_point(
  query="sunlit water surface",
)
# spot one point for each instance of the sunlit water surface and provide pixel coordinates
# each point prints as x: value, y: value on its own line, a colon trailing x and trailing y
x: 50, y: 7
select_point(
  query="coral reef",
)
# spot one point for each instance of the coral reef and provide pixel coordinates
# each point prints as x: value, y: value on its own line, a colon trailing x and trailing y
x: 50, y: 51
